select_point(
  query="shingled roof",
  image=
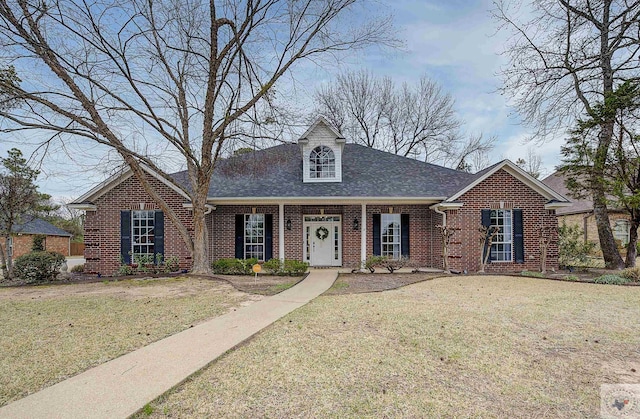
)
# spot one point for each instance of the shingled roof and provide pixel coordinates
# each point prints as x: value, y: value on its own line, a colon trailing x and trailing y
x: 35, y: 225
x: 277, y: 172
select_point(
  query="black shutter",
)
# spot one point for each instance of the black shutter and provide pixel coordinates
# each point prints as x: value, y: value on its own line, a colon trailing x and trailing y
x: 486, y: 222
x: 404, y: 234
x: 376, y: 235
x: 239, y: 236
x: 125, y: 236
x: 158, y: 234
x: 518, y: 236
x: 268, y: 237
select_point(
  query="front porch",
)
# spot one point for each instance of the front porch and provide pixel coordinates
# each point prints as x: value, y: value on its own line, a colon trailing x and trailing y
x: 326, y: 235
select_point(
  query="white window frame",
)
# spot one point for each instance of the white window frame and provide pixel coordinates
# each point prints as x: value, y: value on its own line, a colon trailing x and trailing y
x: 143, y: 234
x: 322, y: 163
x: 254, y: 236
x: 391, y: 235
x: 502, y: 246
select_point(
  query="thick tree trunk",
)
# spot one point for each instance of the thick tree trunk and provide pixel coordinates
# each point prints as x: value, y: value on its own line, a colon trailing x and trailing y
x: 632, y: 251
x: 200, y: 240
x: 612, y: 258
x: 4, y: 260
x: 610, y: 253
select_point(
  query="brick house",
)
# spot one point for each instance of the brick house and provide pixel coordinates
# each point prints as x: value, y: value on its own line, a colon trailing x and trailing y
x: 580, y: 213
x: 328, y: 203
x: 21, y: 241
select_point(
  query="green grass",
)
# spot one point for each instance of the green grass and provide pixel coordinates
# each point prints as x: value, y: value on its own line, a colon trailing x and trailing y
x: 278, y: 288
x: 339, y: 285
x: 451, y: 347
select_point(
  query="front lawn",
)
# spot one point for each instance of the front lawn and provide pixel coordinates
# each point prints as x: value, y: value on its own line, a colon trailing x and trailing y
x: 49, y: 333
x: 457, y: 346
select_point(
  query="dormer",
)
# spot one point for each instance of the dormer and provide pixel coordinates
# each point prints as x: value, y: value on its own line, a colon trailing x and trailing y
x: 321, y: 148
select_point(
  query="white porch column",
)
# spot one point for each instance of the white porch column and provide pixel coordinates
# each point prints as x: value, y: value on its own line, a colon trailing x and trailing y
x: 363, y: 236
x: 281, y: 232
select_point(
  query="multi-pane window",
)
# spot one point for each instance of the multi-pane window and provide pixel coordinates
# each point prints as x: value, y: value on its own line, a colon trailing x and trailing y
x: 390, y: 235
x: 254, y: 236
x: 621, y: 231
x: 322, y: 163
x: 502, y: 244
x: 10, y: 247
x: 142, y: 233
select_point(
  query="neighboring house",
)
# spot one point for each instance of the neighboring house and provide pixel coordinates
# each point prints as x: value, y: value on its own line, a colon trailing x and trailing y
x: 21, y: 241
x: 330, y: 204
x: 580, y: 213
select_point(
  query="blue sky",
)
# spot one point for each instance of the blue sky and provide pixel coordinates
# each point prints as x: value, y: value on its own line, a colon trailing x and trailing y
x: 452, y: 42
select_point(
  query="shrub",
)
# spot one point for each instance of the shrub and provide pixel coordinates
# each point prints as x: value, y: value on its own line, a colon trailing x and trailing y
x: 78, y: 269
x: 373, y: 262
x: 38, y: 266
x: 272, y: 266
x: 290, y: 267
x: 38, y: 243
x: 125, y: 270
x: 632, y: 274
x: 171, y: 264
x: 231, y: 266
x: 572, y: 249
x: 388, y: 263
x: 392, y: 265
x: 294, y: 267
x: 611, y: 280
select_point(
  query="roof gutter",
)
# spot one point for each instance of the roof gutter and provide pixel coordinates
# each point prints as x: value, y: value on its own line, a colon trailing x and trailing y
x: 445, y: 206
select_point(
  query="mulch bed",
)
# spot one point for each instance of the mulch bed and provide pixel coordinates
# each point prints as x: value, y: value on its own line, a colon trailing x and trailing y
x: 358, y: 283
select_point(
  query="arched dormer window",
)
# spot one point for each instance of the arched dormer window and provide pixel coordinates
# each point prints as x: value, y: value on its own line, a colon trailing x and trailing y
x: 322, y: 163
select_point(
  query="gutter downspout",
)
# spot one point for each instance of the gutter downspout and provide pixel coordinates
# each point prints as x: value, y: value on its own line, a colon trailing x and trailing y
x: 444, y: 214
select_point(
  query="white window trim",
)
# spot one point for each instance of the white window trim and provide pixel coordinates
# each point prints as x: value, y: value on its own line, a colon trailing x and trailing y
x: 327, y: 170
x: 495, y: 243
x: 149, y: 234
x: 616, y: 231
x: 246, y: 241
x: 385, y: 220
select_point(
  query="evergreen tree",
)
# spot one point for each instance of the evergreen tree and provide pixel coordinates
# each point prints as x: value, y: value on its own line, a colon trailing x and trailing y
x: 19, y: 197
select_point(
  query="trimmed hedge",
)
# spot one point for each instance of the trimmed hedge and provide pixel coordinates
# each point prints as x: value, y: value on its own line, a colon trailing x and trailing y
x: 38, y: 266
x: 290, y: 267
x: 232, y: 266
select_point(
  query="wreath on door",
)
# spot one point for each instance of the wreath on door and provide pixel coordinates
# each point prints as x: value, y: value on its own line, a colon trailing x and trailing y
x: 322, y: 233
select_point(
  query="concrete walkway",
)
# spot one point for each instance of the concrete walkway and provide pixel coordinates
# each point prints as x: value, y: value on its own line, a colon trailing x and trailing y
x: 119, y: 388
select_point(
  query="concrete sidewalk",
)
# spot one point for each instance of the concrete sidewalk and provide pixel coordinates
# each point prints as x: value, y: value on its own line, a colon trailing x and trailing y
x: 119, y: 388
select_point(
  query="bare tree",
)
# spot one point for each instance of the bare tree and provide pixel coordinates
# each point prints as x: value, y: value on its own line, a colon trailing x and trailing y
x: 547, y: 235
x: 564, y: 57
x: 487, y: 236
x: 446, y: 233
x: 415, y: 121
x: 166, y: 78
x: 531, y: 163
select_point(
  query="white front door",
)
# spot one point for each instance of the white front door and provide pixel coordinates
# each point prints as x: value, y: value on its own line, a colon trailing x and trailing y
x: 323, y: 241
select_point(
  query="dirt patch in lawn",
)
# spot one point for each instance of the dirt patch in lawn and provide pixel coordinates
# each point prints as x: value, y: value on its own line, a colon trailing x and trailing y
x: 131, y: 289
x: 52, y: 332
x: 361, y: 283
x: 263, y: 284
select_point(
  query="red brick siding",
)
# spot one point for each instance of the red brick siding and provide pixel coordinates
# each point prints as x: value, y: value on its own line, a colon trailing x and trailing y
x: 222, y: 230
x: 23, y: 244
x: 500, y: 187
x: 102, y: 227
